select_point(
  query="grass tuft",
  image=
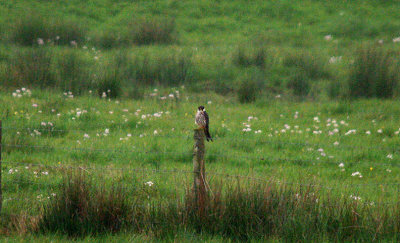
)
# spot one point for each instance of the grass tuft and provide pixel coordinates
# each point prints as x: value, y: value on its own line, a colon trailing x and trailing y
x: 313, y: 66
x: 372, y: 74
x: 246, y: 58
x: 240, y: 212
x: 33, y: 68
x: 155, y: 31
x: 39, y: 30
x: 81, y: 208
x: 72, y: 72
x: 109, y: 84
x: 299, y: 83
x: 171, y: 70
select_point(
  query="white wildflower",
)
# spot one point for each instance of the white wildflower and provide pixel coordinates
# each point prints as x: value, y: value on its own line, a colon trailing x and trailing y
x: 40, y: 41
x: 357, y: 198
x: 149, y: 183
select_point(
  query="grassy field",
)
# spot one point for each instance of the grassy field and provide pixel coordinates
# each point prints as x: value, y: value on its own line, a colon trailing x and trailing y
x: 300, y: 49
x: 302, y: 98
x: 347, y: 150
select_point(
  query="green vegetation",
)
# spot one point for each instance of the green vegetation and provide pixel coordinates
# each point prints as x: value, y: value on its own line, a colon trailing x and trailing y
x: 347, y: 151
x: 372, y: 74
x: 302, y: 97
x: 302, y: 48
x: 256, y: 212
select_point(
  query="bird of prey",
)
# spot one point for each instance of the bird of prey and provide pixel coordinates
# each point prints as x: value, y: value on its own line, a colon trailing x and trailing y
x: 202, y: 121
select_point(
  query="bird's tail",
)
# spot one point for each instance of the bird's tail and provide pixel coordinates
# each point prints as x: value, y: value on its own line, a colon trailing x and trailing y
x: 208, y: 136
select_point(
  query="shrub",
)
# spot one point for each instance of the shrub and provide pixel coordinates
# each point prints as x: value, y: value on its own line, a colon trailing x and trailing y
x: 299, y: 83
x: 371, y: 74
x: 247, y: 58
x: 155, y: 31
x: 81, y: 208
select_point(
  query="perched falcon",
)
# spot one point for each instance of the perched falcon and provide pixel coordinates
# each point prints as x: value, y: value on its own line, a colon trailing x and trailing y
x: 202, y: 121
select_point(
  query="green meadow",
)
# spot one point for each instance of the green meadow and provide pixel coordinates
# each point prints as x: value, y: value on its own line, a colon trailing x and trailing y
x: 98, y: 102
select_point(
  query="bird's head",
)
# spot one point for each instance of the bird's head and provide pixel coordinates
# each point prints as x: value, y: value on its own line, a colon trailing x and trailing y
x: 201, y: 108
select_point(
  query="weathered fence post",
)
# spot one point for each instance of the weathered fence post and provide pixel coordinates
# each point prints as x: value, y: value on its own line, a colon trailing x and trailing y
x: 1, y: 191
x: 199, y: 170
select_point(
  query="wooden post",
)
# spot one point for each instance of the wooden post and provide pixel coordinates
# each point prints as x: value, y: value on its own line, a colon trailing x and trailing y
x: 199, y: 170
x: 1, y: 191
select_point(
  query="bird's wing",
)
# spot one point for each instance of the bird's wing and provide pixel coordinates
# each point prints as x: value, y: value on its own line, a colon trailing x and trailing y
x: 207, y: 119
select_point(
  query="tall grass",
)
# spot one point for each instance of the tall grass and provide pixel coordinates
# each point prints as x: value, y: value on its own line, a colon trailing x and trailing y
x: 244, y: 57
x: 251, y: 85
x: 171, y: 70
x: 248, y: 91
x: 33, y: 68
x: 261, y: 212
x: 312, y: 65
x: 69, y: 69
x: 154, y: 31
x: 373, y: 74
x: 138, y: 32
x: 81, y: 208
x: 109, y: 83
x: 44, y: 67
x: 73, y: 71
x: 31, y: 29
x: 112, y: 38
x: 242, y: 211
x: 28, y: 30
x: 299, y: 83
